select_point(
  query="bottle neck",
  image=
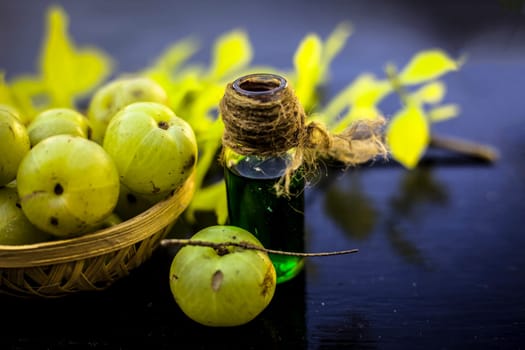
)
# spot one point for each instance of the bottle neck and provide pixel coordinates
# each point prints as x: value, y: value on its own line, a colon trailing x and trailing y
x: 257, y: 166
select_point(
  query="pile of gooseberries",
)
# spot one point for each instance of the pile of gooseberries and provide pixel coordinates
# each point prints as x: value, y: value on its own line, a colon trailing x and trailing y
x: 65, y: 173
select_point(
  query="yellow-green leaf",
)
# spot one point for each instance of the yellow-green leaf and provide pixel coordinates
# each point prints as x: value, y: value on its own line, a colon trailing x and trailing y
x: 307, y: 57
x: 165, y: 71
x: 182, y: 89
x: 431, y: 93
x: 312, y: 61
x: 231, y: 52
x: 334, y: 44
x: 30, y: 94
x: 307, y: 64
x: 368, y: 91
x: 408, y: 135
x: 444, y: 112
x: 356, y: 112
x: 67, y: 72
x: 359, y: 100
x: 210, y: 198
x: 206, y: 198
x: 175, y: 55
x: 427, y: 65
x: 91, y: 67
x: 8, y: 102
x: 208, y: 143
x: 5, y: 94
x: 201, y: 112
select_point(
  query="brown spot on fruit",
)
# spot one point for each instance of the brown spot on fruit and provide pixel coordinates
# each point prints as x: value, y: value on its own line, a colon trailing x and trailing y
x: 267, y: 282
x: 189, y: 163
x: 163, y: 125
x: 154, y: 188
x: 58, y: 189
x: 53, y: 221
x: 109, y: 104
x: 216, y: 280
x: 137, y: 93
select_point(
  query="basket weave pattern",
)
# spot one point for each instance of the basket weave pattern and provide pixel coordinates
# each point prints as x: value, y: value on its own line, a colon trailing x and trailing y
x: 92, y: 261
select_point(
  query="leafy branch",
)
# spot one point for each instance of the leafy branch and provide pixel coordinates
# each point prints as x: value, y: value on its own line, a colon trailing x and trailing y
x: 66, y: 73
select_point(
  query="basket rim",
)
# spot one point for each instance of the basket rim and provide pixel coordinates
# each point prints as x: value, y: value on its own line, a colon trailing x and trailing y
x: 101, y: 241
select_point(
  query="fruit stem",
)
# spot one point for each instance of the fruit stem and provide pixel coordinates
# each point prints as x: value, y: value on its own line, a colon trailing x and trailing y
x: 246, y: 245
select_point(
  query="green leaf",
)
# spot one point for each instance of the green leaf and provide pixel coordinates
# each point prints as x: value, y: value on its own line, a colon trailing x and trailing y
x: 66, y: 71
x: 444, y: 112
x: 231, y: 52
x: 408, y: 135
x: 428, y: 65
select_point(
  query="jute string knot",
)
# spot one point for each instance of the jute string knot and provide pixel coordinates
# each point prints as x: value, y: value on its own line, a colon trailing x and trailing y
x: 262, y: 116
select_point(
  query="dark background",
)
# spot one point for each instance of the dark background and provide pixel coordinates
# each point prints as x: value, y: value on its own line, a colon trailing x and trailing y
x: 441, y: 262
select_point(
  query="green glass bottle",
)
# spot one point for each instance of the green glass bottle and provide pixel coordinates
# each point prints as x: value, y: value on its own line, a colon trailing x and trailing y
x: 253, y: 203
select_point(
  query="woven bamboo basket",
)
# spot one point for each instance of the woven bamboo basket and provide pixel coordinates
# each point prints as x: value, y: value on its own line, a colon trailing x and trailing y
x: 91, y: 262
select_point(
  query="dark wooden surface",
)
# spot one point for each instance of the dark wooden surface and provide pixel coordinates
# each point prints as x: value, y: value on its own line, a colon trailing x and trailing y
x: 441, y: 262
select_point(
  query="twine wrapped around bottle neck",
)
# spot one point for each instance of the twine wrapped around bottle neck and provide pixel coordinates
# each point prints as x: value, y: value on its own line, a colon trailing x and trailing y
x: 262, y: 116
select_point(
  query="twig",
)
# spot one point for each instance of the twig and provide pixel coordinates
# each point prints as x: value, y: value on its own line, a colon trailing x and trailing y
x: 393, y: 77
x: 220, y: 247
x: 469, y: 148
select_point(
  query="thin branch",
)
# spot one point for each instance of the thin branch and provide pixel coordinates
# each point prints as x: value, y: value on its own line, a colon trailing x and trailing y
x: 223, y: 245
x: 468, y: 148
x: 393, y: 77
